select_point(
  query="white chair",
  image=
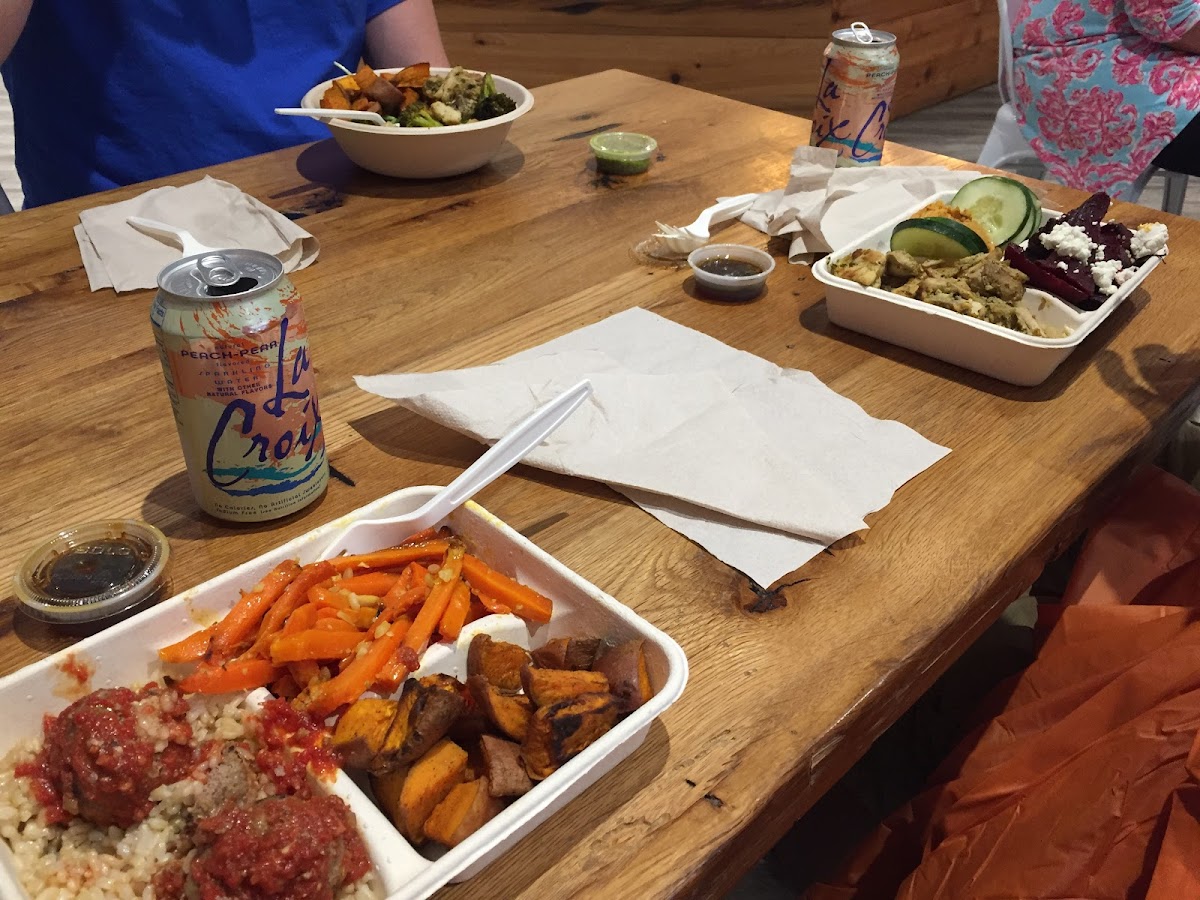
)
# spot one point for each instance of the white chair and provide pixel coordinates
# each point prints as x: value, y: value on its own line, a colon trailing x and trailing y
x: 1007, y: 146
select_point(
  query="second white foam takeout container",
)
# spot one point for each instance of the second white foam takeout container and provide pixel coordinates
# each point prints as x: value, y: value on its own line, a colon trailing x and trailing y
x: 125, y: 654
x: 994, y: 350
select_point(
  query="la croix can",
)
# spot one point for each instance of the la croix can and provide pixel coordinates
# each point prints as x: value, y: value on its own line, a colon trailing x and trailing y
x: 854, y: 99
x: 233, y: 341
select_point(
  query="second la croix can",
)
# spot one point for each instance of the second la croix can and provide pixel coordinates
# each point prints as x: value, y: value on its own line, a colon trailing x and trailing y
x: 233, y: 341
x: 854, y: 98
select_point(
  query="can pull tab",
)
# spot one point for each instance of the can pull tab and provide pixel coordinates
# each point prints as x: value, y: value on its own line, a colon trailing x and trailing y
x: 862, y: 33
x: 216, y: 271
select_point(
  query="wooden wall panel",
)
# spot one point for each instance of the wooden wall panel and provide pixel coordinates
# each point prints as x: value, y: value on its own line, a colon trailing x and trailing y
x: 765, y: 52
x: 946, y: 49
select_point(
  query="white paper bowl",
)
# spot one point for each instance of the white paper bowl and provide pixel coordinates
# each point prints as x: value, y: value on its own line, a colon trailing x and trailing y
x: 973, y: 344
x: 424, y: 152
x: 125, y: 655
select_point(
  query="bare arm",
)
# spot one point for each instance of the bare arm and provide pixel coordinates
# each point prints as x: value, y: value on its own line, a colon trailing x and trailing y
x: 405, y: 34
x: 13, y: 14
x: 1189, y: 42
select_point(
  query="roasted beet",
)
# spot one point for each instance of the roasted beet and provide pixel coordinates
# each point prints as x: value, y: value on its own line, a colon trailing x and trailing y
x: 1045, y: 276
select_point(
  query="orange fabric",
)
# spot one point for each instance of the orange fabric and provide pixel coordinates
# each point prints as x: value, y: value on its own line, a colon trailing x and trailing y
x: 1087, y: 782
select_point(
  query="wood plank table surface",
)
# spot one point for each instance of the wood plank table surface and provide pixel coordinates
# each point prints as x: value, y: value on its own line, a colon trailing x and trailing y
x: 789, y: 684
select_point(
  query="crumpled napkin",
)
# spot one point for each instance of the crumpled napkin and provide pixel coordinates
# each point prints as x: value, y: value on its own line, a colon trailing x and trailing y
x: 761, y: 466
x: 116, y: 255
x: 827, y: 208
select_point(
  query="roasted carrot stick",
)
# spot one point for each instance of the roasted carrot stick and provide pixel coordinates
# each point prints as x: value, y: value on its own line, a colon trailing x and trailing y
x: 490, y: 603
x: 420, y: 537
x: 315, y: 644
x: 294, y: 596
x: 300, y: 620
x: 239, y: 675
x: 396, y: 669
x: 192, y: 648
x: 434, y: 608
x: 235, y: 632
x: 455, y: 615
x: 348, y: 685
x: 393, y: 557
x: 522, y: 600
x: 375, y: 583
x: 334, y: 623
x: 326, y: 596
x: 396, y: 601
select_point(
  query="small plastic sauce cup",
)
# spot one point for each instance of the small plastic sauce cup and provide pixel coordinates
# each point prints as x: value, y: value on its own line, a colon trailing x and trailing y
x: 93, y: 573
x: 731, y: 287
x: 623, y: 152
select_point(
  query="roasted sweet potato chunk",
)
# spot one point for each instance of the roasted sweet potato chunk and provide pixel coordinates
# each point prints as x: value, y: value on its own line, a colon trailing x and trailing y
x: 464, y: 811
x: 546, y: 686
x: 561, y: 731
x: 568, y: 653
x: 509, y: 713
x: 334, y: 98
x: 413, y: 76
x: 362, y: 730
x: 425, y: 785
x: 427, y: 710
x: 497, y: 661
x: 625, y: 668
x: 506, y: 775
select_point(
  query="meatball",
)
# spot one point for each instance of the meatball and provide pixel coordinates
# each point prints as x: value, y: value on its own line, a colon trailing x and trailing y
x: 106, y: 752
x: 301, y: 849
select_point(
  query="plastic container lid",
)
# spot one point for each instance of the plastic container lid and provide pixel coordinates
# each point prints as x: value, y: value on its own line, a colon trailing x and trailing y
x: 623, y: 152
x: 93, y: 571
x: 731, y: 287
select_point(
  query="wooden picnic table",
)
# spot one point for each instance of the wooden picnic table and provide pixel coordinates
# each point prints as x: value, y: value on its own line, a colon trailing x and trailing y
x: 789, y: 683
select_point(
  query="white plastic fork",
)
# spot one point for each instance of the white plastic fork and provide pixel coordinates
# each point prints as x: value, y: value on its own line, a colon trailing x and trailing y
x: 371, y: 534
x: 354, y: 115
x: 690, y: 237
x: 189, y: 244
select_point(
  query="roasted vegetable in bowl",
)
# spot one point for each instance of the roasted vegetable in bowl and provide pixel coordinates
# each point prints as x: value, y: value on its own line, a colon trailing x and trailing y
x: 413, y: 98
x: 447, y: 757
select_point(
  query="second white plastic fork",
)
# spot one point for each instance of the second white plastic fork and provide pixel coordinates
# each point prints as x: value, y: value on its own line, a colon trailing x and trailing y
x: 688, y: 238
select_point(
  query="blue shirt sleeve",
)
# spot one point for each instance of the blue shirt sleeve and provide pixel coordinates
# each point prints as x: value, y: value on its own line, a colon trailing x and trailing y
x: 1163, y: 21
x: 375, y: 7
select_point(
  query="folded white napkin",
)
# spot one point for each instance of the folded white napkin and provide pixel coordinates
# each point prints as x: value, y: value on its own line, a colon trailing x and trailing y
x: 761, y: 466
x: 117, y: 255
x: 826, y: 207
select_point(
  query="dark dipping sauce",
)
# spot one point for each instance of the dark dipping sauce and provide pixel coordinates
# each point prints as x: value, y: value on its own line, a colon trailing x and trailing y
x: 91, y: 569
x: 731, y: 268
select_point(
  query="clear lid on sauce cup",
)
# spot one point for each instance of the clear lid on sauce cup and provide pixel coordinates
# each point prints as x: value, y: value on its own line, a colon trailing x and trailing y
x: 94, y: 571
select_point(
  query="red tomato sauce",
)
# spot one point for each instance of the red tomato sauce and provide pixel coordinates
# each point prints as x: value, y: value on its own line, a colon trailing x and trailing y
x: 99, y: 758
x: 301, y: 849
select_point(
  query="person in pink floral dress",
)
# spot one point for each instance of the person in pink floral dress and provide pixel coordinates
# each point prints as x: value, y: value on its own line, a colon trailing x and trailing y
x: 1106, y: 88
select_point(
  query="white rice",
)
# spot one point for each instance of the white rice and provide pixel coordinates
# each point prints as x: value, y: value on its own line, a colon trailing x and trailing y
x: 81, y: 861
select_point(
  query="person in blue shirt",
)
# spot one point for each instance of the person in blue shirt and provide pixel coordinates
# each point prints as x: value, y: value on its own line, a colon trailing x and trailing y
x: 110, y: 92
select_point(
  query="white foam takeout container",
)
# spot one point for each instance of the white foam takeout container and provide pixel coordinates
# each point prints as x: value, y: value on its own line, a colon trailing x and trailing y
x: 973, y: 344
x: 125, y: 655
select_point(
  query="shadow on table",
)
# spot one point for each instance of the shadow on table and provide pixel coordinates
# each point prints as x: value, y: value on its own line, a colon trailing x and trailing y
x: 541, y: 849
x: 325, y: 164
x: 170, y: 506
x: 815, y: 318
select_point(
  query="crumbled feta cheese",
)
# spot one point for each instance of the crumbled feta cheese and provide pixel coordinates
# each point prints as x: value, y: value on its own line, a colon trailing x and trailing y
x: 1124, y: 275
x: 1148, y: 240
x: 1099, y: 251
x: 1062, y: 265
x: 1104, y: 273
x: 1069, y: 240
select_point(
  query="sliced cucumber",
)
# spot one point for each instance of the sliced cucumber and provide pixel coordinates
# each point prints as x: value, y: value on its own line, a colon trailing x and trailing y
x: 936, y: 238
x: 1001, y: 205
x: 1033, y: 222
